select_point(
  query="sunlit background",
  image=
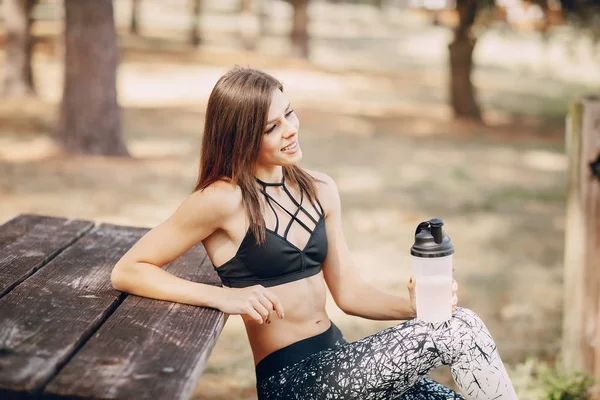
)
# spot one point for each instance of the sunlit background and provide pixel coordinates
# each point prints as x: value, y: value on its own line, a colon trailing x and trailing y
x: 371, y: 84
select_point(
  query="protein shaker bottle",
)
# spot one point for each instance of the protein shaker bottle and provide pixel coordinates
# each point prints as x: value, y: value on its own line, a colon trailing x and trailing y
x: 432, y: 256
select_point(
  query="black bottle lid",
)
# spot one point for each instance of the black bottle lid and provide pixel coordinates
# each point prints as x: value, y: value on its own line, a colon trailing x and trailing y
x: 430, y: 240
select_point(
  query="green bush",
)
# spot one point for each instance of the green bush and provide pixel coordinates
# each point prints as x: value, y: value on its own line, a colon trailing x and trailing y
x: 536, y: 380
x: 561, y: 385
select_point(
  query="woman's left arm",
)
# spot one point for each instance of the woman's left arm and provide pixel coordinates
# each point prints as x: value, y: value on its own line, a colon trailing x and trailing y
x: 350, y: 292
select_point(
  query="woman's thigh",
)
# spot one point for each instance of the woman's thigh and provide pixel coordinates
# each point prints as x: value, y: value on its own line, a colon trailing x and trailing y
x: 381, y: 366
x: 428, y: 389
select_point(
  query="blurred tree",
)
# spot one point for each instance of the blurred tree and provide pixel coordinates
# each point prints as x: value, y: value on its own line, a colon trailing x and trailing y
x: 300, y: 28
x: 135, y: 11
x: 250, y: 23
x: 462, y: 92
x: 90, y: 117
x: 195, y: 37
x: 265, y: 14
x: 581, y: 14
x: 584, y: 14
x: 18, y: 76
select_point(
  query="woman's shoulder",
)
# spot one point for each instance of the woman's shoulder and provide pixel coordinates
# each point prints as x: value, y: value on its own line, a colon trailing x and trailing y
x: 327, y: 191
x: 322, y: 180
x: 221, y: 197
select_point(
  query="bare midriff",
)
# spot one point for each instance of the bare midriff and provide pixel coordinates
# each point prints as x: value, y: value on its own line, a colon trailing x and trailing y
x: 305, y: 316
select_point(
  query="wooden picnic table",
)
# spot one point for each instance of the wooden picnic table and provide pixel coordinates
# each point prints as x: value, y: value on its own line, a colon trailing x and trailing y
x: 65, y: 332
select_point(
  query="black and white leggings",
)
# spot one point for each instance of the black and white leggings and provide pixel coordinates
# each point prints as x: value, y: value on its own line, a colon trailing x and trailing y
x: 391, y: 364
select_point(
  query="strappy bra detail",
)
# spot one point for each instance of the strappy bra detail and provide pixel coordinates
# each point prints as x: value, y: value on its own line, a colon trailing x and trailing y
x: 277, y: 260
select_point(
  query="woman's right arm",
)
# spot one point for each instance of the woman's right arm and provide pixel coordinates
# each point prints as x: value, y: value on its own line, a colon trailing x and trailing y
x: 140, y: 272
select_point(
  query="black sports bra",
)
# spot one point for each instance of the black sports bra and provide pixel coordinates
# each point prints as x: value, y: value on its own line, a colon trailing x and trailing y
x: 277, y: 261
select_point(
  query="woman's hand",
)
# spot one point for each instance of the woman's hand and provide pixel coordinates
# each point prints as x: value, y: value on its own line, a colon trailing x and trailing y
x: 454, y: 292
x: 255, y: 301
x: 413, y: 298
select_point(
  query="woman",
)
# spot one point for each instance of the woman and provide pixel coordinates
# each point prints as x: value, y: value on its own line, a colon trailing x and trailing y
x: 273, y: 231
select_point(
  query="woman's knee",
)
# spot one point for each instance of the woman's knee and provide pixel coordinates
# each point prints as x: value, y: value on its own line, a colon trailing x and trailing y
x: 468, y: 318
x: 465, y: 312
x: 462, y: 318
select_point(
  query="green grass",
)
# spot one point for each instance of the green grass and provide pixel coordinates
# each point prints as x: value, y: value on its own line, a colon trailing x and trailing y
x: 460, y: 174
x: 537, y: 380
x: 507, y: 196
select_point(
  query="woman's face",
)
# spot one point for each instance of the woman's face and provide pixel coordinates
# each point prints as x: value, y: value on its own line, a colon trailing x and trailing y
x: 280, y: 138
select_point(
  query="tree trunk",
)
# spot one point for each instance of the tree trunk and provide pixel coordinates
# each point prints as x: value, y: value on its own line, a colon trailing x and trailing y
x: 195, y: 37
x: 18, y: 77
x: 135, y: 13
x: 581, y: 299
x: 462, y: 91
x: 300, y: 29
x: 264, y: 15
x: 90, y: 117
x: 250, y: 24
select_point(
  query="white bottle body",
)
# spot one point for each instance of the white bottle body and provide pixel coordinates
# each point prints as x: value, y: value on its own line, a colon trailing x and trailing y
x: 433, y: 288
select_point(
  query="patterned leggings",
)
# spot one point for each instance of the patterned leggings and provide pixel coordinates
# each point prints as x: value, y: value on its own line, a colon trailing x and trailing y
x: 393, y: 363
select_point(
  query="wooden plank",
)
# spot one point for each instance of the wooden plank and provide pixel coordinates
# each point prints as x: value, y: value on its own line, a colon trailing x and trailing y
x: 591, y: 150
x: 28, y: 242
x: 17, y: 227
x: 12, y: 229
x: 46, y: 318
x: 147, y: 349
x: 581, y: 330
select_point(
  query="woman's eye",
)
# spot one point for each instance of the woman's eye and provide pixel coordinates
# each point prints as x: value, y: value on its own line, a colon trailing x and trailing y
x: 272, y: 128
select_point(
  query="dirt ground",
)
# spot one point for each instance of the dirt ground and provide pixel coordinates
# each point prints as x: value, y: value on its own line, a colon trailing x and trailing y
x: 388, y: 140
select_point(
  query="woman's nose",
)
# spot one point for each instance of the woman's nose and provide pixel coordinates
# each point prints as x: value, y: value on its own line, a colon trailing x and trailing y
x: 290, y: 129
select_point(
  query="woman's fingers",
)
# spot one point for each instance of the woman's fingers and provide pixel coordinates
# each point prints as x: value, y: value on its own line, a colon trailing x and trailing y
x: 454, y: 294
x: 412, y: 283
x: 264, y: 313
x: 252, y: 313
x: 278, y: 307
x: 267, y: 304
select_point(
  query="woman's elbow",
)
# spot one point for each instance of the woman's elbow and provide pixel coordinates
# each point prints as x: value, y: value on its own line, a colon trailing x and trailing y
x: 345, y: 305
x: 119, y: 277
x: 350, y: 311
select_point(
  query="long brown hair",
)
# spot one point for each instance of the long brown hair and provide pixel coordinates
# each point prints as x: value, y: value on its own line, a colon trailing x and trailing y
x: 236, y: 117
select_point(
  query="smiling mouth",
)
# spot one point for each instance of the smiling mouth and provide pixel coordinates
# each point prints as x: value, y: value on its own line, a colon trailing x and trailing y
x: 291, y: 146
